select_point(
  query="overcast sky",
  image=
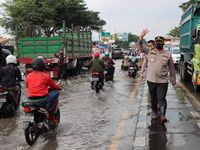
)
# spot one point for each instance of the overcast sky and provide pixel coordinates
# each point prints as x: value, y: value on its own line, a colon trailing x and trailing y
x: 160, y: 16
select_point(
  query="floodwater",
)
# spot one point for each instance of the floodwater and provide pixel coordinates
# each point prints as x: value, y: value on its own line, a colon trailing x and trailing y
x: 110, y: 120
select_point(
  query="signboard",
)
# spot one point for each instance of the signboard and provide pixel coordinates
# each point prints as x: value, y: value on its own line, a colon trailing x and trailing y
x: 123, y: 36
x: 105, y: 34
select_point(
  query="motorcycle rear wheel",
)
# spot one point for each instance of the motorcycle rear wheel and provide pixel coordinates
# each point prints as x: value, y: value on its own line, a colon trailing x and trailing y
x: 97, y: 87
x: 31, y: 134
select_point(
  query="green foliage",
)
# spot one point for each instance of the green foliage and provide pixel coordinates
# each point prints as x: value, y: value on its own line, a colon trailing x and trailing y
x: 175, y: 32
x: 35, y: 17
x: 185, y: 5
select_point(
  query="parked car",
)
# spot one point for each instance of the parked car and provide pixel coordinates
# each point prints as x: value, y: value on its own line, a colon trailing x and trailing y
x: 176, y: 55
x: 117, y: 53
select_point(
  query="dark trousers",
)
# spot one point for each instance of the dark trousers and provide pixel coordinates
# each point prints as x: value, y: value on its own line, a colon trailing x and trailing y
x: 52, y: 100
x: 61, y: 72
x: 158, y: 92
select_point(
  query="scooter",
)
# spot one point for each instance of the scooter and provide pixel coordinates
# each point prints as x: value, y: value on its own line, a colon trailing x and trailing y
x: 96, y: 84
x: 38, y: 120
x: 132, y: 70
x: 9, y: 100
x: 109, y: 73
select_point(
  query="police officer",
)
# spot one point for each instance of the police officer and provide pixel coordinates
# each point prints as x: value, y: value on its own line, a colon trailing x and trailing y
x: 160, y: 63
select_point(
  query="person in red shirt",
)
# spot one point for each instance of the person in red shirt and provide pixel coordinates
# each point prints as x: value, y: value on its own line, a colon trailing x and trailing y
x: 38, y: 84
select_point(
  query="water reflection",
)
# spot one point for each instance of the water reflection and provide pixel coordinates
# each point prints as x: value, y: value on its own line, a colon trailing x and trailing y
x: 157, y: 136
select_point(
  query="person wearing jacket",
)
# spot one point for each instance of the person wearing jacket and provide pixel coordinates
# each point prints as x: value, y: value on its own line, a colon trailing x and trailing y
x: 10, y: 75
x: 160, y: 63
x: 98, y: 66
x: 38, y: 84
x: 108, y: 63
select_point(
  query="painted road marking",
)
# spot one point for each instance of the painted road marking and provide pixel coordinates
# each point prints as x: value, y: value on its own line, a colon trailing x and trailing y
x: 195, y: 114
x: 116, y: 139
x: 198, y: 123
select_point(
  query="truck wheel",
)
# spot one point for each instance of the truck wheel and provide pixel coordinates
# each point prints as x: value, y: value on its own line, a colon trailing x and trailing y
x: 183, y: 71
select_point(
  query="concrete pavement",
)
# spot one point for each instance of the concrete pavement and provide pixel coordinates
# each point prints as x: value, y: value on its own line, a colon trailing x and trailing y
x: 182, y: 132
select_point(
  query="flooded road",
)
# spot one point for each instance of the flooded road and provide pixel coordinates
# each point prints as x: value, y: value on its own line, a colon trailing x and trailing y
x: 118, y: 118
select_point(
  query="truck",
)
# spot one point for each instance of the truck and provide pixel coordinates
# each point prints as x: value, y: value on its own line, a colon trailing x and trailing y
x: 189, y: 65
x: 76, y: 45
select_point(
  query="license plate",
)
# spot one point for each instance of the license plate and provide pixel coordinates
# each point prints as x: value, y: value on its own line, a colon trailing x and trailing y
x: 2, y: 99
x: 95, y: 79
x: 132, y: 70
x: 28, y: 118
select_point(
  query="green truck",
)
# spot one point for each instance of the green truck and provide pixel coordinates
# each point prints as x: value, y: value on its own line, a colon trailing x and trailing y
x: 189, y: 66
x: 77, y: 47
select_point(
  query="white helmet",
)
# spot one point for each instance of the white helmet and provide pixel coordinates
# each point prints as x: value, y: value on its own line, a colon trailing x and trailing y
x: 11, y: 59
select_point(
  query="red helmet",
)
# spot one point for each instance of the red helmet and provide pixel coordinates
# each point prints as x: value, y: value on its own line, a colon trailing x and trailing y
x: 96, y: 54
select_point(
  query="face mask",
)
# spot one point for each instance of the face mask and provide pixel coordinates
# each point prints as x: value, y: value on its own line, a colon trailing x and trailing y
x: 159, y: 46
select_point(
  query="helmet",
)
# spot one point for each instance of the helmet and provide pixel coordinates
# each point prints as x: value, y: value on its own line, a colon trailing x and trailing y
x: 11, y: 59
x: 107, y: 54
x: 41, y: 57
x: 38, y: 64
x: 96, y: 54
x: 130, y: 57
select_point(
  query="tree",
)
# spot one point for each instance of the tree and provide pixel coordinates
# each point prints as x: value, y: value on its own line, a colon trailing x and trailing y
x: 185, y: 5
x: 175, y: 32
x: 34, y: 17
x: 132, y: 37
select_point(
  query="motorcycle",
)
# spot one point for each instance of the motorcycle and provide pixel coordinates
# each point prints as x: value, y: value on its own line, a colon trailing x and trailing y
x: 109, y: 73
x: 39, y: 120
x: 9, y: 100
x: 96, y: 84
x: 132, y: 71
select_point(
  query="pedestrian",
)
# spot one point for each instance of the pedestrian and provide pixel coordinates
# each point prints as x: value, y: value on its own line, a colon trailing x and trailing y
x: 160, y: 63
x: 61, y: 65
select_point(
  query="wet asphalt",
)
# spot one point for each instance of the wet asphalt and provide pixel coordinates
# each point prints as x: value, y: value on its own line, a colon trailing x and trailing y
x: 117, y: 118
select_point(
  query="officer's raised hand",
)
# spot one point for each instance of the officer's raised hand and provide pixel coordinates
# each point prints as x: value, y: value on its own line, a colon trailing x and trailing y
x: 143, y: 33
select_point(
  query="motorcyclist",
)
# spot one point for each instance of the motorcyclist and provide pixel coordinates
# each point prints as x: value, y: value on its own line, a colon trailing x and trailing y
x: 98, y: 66
x: 39, y: 83
x: 10, y: 75
x: 133, y: 60
x: 108, y: 63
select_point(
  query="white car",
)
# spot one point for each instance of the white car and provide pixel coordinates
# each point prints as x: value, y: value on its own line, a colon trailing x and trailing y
x: 176, y: 54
